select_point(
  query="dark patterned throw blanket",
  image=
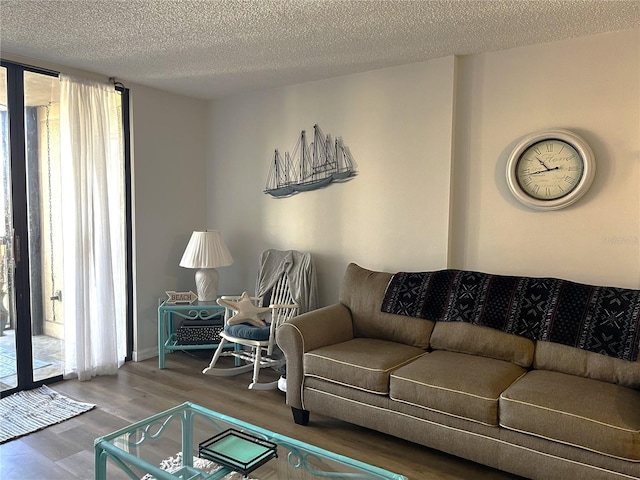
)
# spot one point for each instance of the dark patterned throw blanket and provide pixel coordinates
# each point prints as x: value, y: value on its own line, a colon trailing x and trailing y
x: 604, y: 320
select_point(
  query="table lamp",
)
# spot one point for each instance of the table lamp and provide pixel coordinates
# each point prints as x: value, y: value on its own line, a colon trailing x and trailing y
x: 206, y: 251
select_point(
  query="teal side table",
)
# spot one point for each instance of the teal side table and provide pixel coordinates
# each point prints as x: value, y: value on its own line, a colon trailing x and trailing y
x: 168, y: 317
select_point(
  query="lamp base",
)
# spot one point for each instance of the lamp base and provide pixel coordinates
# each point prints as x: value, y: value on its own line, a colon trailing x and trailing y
x: 207, y: 284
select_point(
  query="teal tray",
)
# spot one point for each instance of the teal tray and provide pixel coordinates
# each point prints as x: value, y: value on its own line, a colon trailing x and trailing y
x: 238, y: 450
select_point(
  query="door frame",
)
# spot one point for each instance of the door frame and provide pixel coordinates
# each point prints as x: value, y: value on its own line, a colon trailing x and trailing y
x: 20, y: 243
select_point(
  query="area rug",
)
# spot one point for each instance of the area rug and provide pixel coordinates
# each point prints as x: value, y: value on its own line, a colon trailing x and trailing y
x: 8, y: 363
x: 32, y: 410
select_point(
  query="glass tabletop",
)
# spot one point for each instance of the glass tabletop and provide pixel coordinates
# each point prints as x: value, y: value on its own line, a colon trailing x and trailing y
x: 193, y: 442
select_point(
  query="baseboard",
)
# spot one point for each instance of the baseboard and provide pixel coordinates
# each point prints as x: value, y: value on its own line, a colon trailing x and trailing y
x: 145, y: 354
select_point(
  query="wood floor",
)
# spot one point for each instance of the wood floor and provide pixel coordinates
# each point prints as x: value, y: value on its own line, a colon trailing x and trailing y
x: 65, y: 451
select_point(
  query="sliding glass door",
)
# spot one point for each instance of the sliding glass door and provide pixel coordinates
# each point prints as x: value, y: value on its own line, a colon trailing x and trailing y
x: 32, y: 270
x: 42, y: 155
x: 8, y: 361
x: 32, y: 341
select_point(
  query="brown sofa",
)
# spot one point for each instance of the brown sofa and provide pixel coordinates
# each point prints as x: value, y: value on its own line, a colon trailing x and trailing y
x: 533, y: 408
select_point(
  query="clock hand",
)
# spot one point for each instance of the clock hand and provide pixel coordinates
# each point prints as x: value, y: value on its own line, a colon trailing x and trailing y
x: 547, y: 170
x: 542, y: 163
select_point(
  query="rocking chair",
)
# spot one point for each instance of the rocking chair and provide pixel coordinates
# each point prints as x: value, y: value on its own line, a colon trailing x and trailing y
x: 253, y: 344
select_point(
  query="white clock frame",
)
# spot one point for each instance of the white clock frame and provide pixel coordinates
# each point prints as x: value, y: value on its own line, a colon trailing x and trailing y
x: 588, y: 173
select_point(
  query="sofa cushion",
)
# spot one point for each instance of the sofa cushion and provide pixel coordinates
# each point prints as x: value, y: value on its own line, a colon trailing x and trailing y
x: 484, y: 341
x: 362, y: 363
x: 583, y: 412
x: 362, y: 292
x: 456, y: 384
x: 565, y: 359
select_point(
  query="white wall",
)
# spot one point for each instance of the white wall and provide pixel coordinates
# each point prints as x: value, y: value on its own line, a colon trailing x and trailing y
x: 411, y: 128
x: 397, y: 123
x: 169, y: 199
x: 590, y: 86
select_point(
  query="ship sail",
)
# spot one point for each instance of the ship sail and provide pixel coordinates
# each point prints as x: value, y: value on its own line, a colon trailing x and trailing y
x: 345, y: 166
x: 315, y: 173
x: 311, y: 166
x: 279, y: 180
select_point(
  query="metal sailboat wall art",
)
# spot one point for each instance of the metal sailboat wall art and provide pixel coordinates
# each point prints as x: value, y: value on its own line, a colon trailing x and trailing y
x: 311, y: 166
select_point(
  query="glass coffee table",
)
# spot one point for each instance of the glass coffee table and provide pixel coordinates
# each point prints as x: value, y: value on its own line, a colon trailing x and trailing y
x: 193, y: 442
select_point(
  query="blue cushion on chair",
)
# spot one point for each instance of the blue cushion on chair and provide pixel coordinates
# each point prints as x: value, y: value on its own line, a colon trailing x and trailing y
x: 248, y: 331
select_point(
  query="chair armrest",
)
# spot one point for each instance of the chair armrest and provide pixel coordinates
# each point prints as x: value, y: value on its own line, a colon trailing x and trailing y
x: 311, y: 330
x: 283, y: 305
x: 280, y: 313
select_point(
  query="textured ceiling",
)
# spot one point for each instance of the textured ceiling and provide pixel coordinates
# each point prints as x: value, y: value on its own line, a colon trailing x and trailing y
x: 207, y: 49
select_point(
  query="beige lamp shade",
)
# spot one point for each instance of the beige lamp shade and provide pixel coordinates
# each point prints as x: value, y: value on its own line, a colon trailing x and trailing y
x: 206, y: 251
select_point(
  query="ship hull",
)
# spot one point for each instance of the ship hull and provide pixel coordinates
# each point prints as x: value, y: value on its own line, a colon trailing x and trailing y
x: 343, y: 176
x: 312, y: 185
x: 280, y: 192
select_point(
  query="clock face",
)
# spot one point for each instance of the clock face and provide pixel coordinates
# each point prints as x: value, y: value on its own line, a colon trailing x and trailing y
x: 549, y: 169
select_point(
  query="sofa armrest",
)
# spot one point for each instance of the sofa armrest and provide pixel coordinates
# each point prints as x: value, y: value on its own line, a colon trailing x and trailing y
x: 311, y: 330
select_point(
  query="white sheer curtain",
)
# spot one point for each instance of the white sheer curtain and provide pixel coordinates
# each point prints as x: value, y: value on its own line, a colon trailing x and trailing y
x: 93, y: 228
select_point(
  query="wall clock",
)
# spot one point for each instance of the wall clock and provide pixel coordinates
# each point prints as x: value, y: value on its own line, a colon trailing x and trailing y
x: 551, y: 169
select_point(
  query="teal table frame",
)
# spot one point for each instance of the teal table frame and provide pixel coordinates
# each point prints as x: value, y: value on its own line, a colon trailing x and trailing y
x: 168, y: 315
x: 135, y: 435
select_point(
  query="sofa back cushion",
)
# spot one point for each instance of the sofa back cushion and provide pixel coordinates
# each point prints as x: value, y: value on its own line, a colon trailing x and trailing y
x: 562, y: 358
x: 548, y: 309
x: 464, y: 337
x: 362, y: 292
